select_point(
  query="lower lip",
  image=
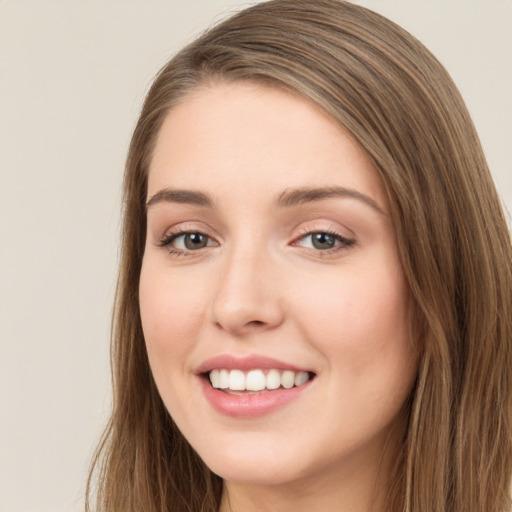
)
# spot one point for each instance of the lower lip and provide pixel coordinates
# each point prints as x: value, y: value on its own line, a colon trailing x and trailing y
x: 250, y: 406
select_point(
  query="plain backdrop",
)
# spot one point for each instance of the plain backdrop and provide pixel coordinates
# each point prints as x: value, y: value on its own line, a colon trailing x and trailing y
x: 73, y: 75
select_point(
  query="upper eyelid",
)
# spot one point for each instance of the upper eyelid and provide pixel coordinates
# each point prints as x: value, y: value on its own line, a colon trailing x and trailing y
x: 298, y: 229
x: 188, y: 227
x: 196, y: 226
x: 345, y: 241
x: 342, y: 232
x: 332, y: 233
x: 169, y: 236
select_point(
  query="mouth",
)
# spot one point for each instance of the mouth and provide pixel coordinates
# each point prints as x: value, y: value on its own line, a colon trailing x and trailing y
x: 256, y: 381
x: 252, y: 386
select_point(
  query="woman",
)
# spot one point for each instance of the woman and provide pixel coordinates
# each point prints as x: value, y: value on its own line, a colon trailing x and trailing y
x: 314, y: 301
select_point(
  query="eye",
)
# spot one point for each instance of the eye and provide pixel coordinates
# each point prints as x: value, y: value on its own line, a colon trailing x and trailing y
x: 324, y: 241
x: 191, y: 241
x: 186, y: 241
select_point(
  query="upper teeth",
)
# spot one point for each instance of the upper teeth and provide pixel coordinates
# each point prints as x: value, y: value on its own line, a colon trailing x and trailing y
x: 256, y: 380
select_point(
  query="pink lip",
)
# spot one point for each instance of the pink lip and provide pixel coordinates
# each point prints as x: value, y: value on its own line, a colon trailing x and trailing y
x: 245, y: 363
x: 250, y: 406
x: 247, y: 406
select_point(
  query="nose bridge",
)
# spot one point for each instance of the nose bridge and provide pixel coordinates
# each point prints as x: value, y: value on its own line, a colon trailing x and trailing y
x: 247, y: 296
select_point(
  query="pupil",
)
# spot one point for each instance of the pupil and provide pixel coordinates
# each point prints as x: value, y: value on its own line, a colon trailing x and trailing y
x: 323, y: 241
x: 195, y: 241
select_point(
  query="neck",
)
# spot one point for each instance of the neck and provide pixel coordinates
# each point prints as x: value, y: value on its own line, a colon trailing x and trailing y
x: 252, y: 498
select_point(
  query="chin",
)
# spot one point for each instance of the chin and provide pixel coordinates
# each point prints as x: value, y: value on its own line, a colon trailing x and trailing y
x: 253, y: 472
x: 258, y: 465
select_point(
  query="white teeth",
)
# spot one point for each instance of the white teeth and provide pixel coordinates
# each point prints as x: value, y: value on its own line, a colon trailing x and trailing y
x: 224, y: 379
x: 256, y: 380
x: 237, y: 380
x: 273, y: 379
x: 214, y: 378
x: 287, y: 379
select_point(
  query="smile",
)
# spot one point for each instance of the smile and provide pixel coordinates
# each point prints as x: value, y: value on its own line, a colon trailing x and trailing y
x: 257, y: 380
x: 252, y: 386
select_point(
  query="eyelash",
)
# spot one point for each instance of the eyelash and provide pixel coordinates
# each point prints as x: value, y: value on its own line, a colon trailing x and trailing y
x: 168, y: 239
x: 344, y: 243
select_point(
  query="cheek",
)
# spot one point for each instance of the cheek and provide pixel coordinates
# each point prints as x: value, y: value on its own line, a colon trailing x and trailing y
x: 360, y: 324
x: 361, y: 328
x: 172, y: 311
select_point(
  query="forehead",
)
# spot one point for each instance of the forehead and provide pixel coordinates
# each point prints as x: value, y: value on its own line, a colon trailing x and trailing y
x: 256, y: 135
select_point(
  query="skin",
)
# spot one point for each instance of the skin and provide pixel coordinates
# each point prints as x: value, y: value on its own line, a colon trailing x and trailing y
x: 260, y: 286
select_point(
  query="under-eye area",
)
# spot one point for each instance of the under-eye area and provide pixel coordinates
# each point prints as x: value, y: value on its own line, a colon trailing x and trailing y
x: 254, y: 381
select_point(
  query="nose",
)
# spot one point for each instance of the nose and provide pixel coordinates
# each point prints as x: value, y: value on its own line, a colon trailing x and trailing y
x: 247, y: 297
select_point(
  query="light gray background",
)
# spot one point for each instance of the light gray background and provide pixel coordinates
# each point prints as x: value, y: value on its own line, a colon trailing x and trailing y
x: 72, y: 78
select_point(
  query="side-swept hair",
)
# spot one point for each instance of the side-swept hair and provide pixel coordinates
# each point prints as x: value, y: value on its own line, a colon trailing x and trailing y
x: 399, y: 103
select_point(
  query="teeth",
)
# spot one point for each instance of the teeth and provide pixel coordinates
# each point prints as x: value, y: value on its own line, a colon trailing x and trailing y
x: 256, y: 380
x: 237, y: 380
x: 215, y: 379
x: 223, y: 379
x: 301, y: 378
x: 273, y: 379
x: 287, y: 379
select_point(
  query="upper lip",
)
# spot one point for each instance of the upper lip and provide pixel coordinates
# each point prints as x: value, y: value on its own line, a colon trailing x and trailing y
x: 245, y: 363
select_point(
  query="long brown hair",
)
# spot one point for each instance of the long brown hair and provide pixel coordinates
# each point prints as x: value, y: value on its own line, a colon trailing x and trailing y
x: 400, y: 104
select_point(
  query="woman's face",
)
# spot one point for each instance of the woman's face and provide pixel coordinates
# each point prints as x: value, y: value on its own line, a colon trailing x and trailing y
x: 271, y: 264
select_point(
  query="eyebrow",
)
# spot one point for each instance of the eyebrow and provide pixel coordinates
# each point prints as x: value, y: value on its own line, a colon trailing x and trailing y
x: 289, y: 198
x: 298, y: 196
x: 170, y: 195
